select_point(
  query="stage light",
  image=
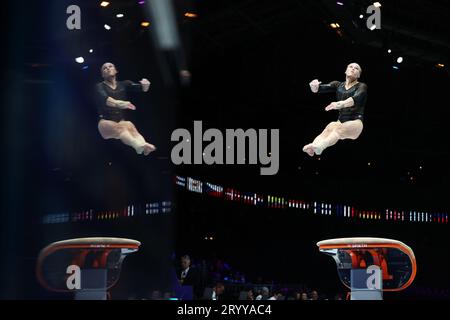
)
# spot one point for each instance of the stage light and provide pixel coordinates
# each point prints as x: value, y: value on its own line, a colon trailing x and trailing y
x: 191, y: 15
x: 389, y: 50
x: 440, y: 65
x: 361, y: 16
x: 399, y: 59
x: 79, y: 60
x: 91, y: 50
x: 145, y: 24
x: 395, y: 67
x: 104, y: 4
x: 339, y: 3
x: 107, y: 27
x: 119, y: 15
x: 334, y: 25
x: 372, y: 27
x: 85, y: 67
x: 141, y: 2
x: 377, y: 4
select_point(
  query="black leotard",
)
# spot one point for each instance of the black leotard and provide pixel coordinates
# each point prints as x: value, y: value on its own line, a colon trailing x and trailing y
x: 103, y: 91
x: 359, y: 94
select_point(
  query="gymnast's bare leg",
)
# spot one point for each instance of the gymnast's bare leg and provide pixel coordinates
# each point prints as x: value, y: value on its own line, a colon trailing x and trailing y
x: 334, y: 132
x: 126, y: 132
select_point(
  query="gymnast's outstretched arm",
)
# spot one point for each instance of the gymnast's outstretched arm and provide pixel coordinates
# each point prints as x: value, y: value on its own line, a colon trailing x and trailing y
x: 318, y: 87
x: 119, y: 104
x: 103, y: 98
x: 356, y: 100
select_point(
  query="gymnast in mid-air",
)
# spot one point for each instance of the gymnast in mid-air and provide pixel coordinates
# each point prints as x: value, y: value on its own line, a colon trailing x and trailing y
x: 351, y: 97
x: 111, y: 98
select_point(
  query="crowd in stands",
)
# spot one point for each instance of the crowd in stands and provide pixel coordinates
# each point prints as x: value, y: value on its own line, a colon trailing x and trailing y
x: 215, y: 279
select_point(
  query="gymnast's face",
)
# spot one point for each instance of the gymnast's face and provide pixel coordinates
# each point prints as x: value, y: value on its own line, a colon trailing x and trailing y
x: 108, y: 70
x: 353, y: 70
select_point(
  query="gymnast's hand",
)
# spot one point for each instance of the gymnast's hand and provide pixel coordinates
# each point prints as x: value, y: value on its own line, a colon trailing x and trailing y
x: 315, y: 85
x: 145, y: 84
x: 331, y: 106
x: 125, y: 105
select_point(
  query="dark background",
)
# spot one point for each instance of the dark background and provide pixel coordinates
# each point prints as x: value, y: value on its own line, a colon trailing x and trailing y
x: 251, y: 62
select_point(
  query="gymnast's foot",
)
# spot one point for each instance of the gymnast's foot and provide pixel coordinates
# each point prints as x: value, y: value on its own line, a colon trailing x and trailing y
x: 148, y: 148
x: 309, y: 149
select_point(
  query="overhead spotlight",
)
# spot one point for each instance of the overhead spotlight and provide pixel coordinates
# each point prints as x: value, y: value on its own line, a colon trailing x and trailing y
x: 79, y: 60
x: 91, y: 50
x: 104, y: 4
x: 377, y: 4
x: 119, y: 15
x: 440, y: 65
x: 191, y: 15
x: 361, y: 16
x: 395, y: 67
x: 399, y: 59
x: 334, y: 25
x: 389, y: 50
x: 107, y: 27
x: 145, y: 24
x: 339, y: 3
x: 141, y: 2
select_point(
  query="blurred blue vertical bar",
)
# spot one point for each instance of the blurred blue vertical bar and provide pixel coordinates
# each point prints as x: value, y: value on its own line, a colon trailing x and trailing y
x: 163, y: 19
x: 165, y: 35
